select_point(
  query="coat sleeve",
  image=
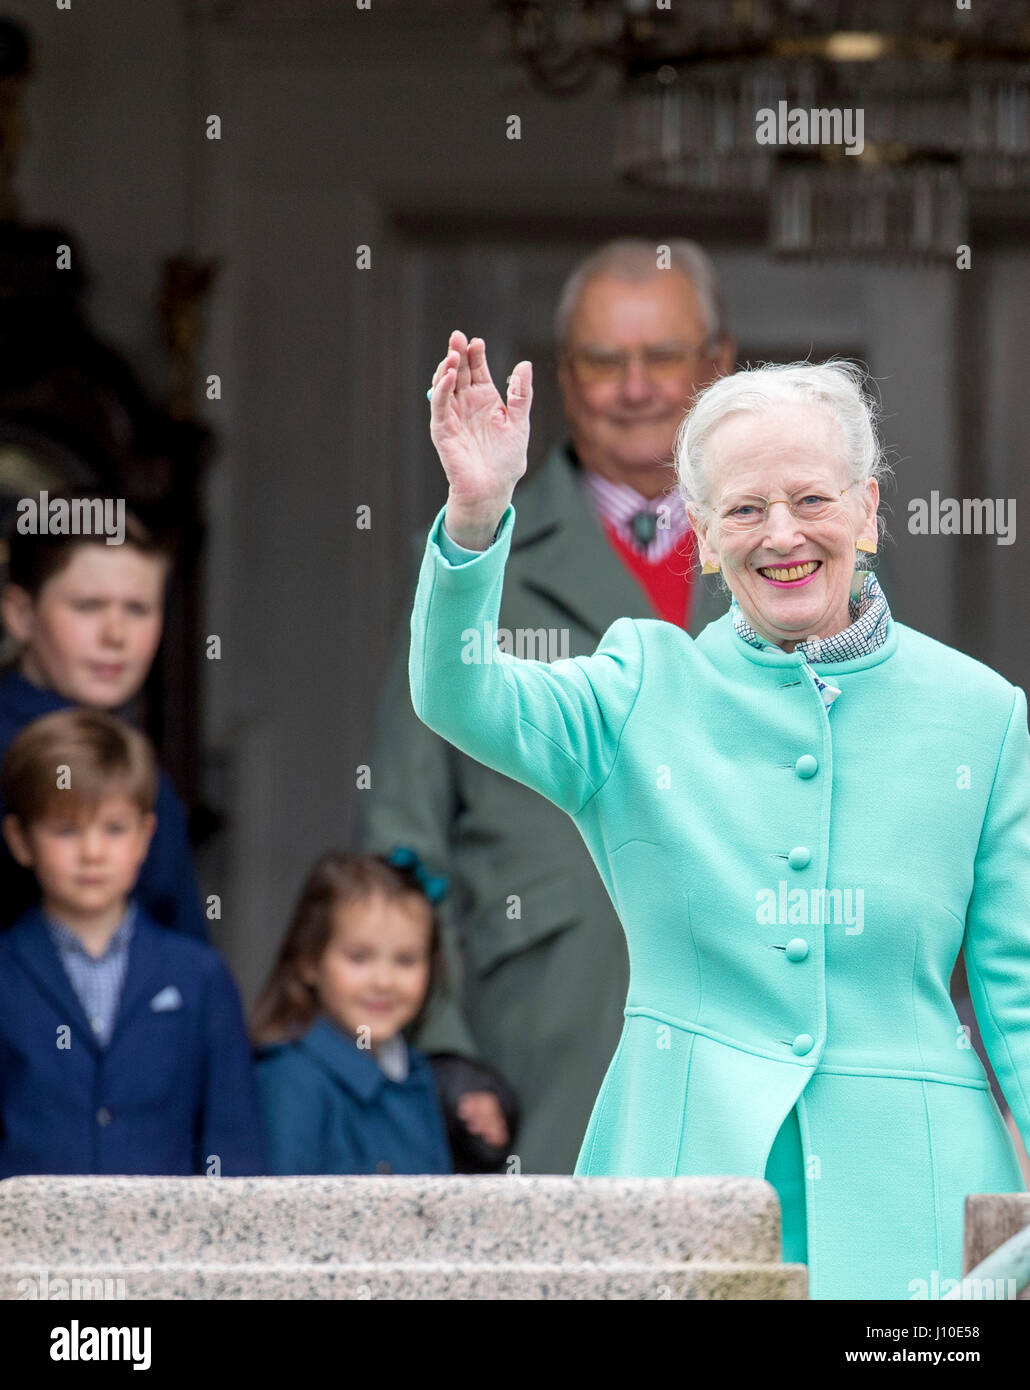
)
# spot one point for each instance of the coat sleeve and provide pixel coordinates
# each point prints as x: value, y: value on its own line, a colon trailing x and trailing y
x: 997, y: 939
x: 553, y: 726
x: 295, y: 1113
x: 230, y: 1123
x: 413, y: 799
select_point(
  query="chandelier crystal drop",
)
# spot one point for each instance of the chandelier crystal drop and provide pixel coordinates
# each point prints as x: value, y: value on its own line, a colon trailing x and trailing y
x: 864, y: 126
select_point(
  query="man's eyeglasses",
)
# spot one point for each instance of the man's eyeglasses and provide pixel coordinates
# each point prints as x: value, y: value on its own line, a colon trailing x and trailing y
x: 746, y: 511
x: 667, y: 362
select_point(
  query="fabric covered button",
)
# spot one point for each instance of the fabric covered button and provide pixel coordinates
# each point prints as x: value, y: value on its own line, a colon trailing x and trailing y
x: 797, y: 949
x: 806, y: 765
x: 804, y: 1042
x: 799, y: 857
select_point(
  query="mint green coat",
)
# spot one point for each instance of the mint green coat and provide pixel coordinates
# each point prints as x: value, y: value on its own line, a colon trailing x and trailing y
x: 537, y: 993
x: 795, y: 885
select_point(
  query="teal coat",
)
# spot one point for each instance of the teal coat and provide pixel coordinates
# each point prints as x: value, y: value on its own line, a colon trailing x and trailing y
x: 328, y: 1107
x: 719, y: 799
x: 537, y: 994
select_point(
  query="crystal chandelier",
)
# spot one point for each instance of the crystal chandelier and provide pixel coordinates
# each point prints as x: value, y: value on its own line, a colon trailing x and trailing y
x: 865, y: 126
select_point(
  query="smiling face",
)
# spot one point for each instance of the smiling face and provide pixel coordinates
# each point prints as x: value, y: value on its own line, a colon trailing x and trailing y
x: 624, y: 426
x: 93, y: 630
x: 787, y: 450
x: 374, y: 973
x: 85, y: 859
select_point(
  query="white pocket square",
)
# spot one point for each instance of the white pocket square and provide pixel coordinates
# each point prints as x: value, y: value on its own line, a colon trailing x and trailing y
x: 168, y: 998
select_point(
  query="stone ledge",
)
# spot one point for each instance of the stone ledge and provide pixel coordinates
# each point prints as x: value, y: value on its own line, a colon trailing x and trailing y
x: 397, y: 1237
x: 419, y: 1281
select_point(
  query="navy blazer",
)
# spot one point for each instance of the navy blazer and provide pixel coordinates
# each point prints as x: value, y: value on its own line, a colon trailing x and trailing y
x: 330, y: 1108
x: 173, y: 1088
x: 167, y: 883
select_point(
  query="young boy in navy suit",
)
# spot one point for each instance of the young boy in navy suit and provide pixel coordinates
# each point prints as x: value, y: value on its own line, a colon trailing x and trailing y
x: 123, y: 1047
x: 87, y: 618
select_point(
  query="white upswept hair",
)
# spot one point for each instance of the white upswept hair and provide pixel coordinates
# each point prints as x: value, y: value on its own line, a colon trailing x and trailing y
x: 839, y: 385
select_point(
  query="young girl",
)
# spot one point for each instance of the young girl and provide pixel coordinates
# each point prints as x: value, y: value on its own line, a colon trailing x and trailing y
x: 342, y: 1089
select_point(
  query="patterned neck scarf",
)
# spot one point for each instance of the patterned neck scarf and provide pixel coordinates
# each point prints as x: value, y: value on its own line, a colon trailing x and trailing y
x: 869, y: 613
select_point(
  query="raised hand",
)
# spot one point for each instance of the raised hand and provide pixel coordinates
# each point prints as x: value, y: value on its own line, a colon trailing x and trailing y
x: 481, y: 439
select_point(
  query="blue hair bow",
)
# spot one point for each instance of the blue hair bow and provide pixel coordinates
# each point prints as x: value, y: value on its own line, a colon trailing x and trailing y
x: 433, y: 885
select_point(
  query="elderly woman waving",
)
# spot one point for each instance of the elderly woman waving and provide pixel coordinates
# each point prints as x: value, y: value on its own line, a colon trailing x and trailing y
x: 801, y: 817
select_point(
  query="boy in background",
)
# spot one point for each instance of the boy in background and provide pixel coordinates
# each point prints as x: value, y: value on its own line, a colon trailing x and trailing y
x: 123, y: 1047
x: 87, y: 617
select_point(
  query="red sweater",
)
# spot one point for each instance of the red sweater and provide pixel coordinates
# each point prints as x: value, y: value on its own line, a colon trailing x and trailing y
x: 669, y: 583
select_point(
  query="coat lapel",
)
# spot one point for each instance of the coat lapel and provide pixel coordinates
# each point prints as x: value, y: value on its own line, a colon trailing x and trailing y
x: 561, y: 552
x: 343, y: 1059
x: 146, y: 973
x: 38, y: 955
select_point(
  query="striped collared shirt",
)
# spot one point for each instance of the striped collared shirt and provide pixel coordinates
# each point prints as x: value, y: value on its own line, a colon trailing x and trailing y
x: 617, y: 503
x: 96, y: 980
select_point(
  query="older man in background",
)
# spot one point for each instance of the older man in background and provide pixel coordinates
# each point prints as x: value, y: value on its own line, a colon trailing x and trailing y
x: 538, y: 960
x: 536, y: 950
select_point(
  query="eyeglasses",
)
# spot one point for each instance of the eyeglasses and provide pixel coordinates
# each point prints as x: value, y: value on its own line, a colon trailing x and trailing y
x: 665, y: 362
x: 747, y: 511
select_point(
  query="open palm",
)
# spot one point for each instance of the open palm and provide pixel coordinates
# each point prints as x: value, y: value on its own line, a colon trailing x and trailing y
x: 480, y: 438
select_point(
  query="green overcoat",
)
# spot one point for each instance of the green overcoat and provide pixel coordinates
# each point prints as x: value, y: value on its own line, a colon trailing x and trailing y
x: 795, y: 884
x: 529, y: 923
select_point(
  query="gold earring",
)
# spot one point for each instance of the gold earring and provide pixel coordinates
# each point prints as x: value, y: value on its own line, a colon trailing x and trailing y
x: 869, y: 547
x: 709, y: 568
